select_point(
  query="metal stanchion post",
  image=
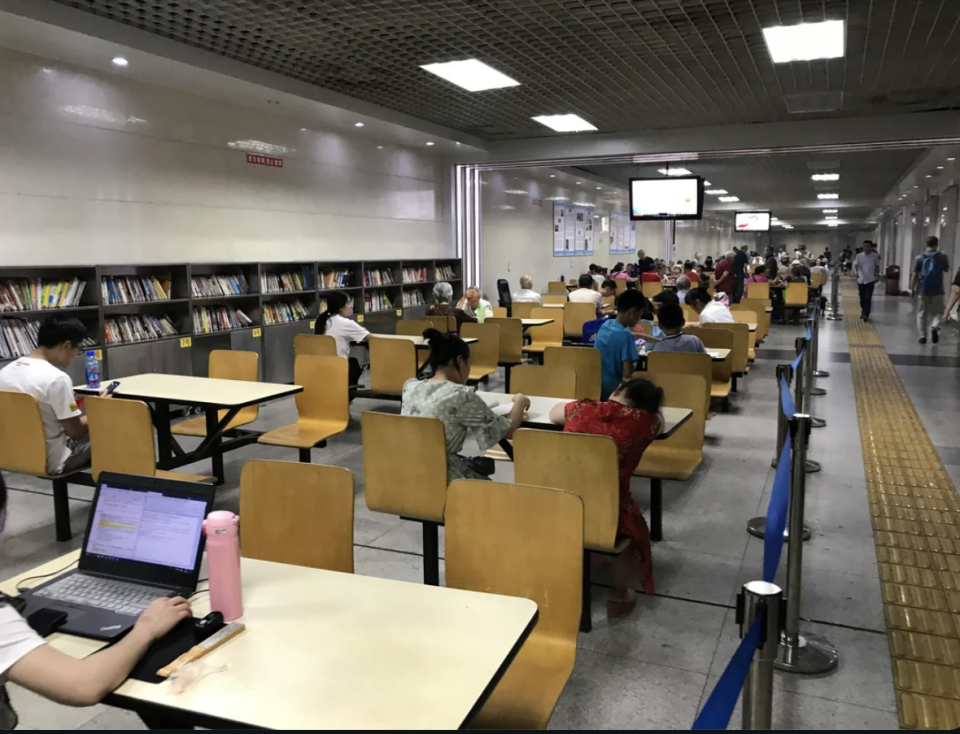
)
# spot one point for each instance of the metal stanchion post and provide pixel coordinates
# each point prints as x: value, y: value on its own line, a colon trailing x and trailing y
x: 760, y: 600
x: 801, y: 398
x: 812, y: 346
x: 798, y: 653
x: 834, y: 314
x: 817, y: 372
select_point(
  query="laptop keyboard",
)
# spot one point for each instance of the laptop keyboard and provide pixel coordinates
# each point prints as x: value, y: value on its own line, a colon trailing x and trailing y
x: 117, y: 596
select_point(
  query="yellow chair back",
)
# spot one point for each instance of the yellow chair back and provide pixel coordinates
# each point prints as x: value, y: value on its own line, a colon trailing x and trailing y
x: 548, y: 334
x: 585, y: 362
x: 441, y: 323
x: 410, y: 327
x: 554, y: 298
x: 121, y: 436
x: 235, y: 364
x: 575, y: 315
x: 679, y: 391
x: 741, y: 343
x: 522, y: 309
x: 326, y: 394
x: 684, y: 363
x: 651, y: 289
x: 511, y: 339
x: 23, y: 445
x: 759, y: 308
x: 557, y: 286
x: 543, y: 381
x: 499, y: 312
x: 795, y: 295
x: 485, y: 352
x: 759, y: 291
x: 319, y: 344
x: 392, y: 363
x: 717, y: 339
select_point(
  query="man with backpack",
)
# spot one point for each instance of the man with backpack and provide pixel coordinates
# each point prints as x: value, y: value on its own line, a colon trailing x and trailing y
x: 927, y: 283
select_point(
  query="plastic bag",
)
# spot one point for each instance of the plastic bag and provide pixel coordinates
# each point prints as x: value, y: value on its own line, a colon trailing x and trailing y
x: 188, y: 675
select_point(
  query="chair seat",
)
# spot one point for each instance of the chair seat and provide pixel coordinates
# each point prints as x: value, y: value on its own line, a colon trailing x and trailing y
x: 664, y: 464
x: 497, y: 453
x: 303, y: 434
x: 720, y: 389
x: 181, y: 477
x: 478, y: 373
x: 510, y: 363
x: 529, y: 690
x: 539, y: 348
x: 198, y: 426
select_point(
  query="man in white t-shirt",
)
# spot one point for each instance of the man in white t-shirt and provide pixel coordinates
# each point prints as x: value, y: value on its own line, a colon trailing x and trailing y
x: 526, y: 294
x: 41, y: 374
x: 587, y: 293
x: 711, y: 311
x: 866, y: 266
x: 474, y: 306
x: 597, y: 275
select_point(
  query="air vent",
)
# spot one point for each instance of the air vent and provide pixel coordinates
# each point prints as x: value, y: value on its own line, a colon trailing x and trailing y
x: 813, y: 102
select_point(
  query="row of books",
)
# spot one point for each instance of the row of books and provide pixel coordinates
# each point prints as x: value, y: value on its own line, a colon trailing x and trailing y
x: 18, y: 337
x: 211, y: 286
x: 376, y: 276
x: 139, y: 328
x: 413, y: 297
x: 446, y: 272
x: 134, y: 289
x: 376, y: 301
x: 336, y: 279
x: 207, y: 320
x: 415, y: 275
x: 37, y: 295
x: 283, y: 282
x: 284, y: 313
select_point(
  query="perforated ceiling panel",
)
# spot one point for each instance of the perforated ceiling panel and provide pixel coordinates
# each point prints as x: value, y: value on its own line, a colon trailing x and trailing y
x: 621, y: 64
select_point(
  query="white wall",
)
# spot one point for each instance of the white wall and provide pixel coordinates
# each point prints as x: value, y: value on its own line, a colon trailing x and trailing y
x: 816, y: 240
x: 95, y: 168
x: 711, y: 236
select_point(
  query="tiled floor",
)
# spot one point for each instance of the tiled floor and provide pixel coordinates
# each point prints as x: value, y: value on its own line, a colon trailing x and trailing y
x: 654, y: 668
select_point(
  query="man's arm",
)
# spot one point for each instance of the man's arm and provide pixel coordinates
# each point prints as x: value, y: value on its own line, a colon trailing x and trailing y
x: 915, y: 277
x: 628, y: 369
x: 75, y: 427
x: 952, y: 301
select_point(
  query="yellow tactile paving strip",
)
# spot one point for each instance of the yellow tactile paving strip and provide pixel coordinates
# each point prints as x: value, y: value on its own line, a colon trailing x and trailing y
x: 916, y: 525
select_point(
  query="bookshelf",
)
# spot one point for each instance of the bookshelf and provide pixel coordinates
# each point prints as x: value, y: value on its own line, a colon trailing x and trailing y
x: 168, y: 317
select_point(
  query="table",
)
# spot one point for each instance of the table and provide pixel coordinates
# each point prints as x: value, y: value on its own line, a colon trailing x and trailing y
x: 527, y: 323
x: 551, y: 305
x: 160, y: 391
x: 327, y: 650
x: 418, y: 341
x: 718, y: 355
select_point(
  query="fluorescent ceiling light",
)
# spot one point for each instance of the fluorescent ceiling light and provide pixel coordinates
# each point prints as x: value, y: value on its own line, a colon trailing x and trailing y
x: 729, y: 199
x: 831, y: 216
x: 599, y: 188
x: 805, y: 41
x: 829, y: 211
x: 825, y: 177
x: 557, y: 198
x: 429, y: 142
x: 707, y: 183
x: 717, y: 192
x: 552, y: 175
x: 358, y: 124
x: 471, y: 74
x: 565, y: 123
x: 514, y: 191
x: 120, y: 61
x: 833, y: 224
x: 951, y: 159
x: 583, y: 203
x: 673, y: 171
x: 504, y: 207
x: 828, y: 196
x: 939, y: 168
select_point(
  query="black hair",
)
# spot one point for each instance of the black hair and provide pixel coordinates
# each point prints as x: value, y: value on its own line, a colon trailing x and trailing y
x: 335, y: 303
x: 664, y: 297
x: 445, y: 348
x: 688, y: 265
x: 618, y: 268
x: 671, y: 316
x: 632, y: 299
x: 585, y: 280
x: 643, y: 395
x: 698, y: 295
x: 593, y: 268
x: 55, y: 330
x: 931, y: 241
x: 608, y: 283
x: 708, y: 261
x: 760, y: 270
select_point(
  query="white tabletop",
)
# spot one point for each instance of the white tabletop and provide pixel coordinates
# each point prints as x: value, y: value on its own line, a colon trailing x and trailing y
x: 538, y: 416
x: 769, y: 309
x: 551, y: 305
x: 327, y: 650
x: 196, y: 390
x: 535, y: 322
x: 718, y: 355
x: 418, y: 341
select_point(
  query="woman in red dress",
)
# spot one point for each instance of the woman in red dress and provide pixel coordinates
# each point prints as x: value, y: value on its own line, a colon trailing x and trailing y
x: 631, y: 417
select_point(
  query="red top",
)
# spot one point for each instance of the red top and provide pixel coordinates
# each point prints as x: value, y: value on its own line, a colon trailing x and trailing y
x: 730, y: 283
x: 694, y: 278
x: 649, y: 278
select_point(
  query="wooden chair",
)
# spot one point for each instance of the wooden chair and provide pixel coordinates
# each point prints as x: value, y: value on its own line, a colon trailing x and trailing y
x: 228, y: 364
x: 522, y: 309
x: 759, y: 291
x: 499, y: 312
x: 405, y: 474
x: 795, y: 297
x: 621, y: 285
x: 23, y: 449
x: 741, y: 347
x: 511, y: 346
x: 557, y: 286
x: 300, y: 514
x: 442, y: 323
x: 521, y: 541
x: 320, y: 345
x: 392, y: 363
x: 677, y: 457
x: 722, y: 371
x: 749, y: 317
x: 651, y: 289
x: 585, y: 362
x: 689, y: 315
x: 684, y: 363
x: 409, y: 327
x: 587, y: 466
x: 759, y: 308
x: 575, y: 315
x: 323, y: 408
x: 609, y: 301
x: 546, y: 381
x: 121, y: 440
x: 548, y: 335
x: 554, y: 298
x: 485, y: 352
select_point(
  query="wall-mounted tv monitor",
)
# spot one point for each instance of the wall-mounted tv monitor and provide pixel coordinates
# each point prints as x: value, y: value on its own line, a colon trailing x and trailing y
x: 753, y: 222
x: 674, y: 197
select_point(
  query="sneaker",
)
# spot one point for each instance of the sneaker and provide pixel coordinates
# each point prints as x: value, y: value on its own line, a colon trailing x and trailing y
x: 923, y: 340
x: 935, y: 334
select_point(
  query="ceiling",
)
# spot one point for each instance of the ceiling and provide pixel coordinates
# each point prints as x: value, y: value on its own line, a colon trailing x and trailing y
x: 621, y: 64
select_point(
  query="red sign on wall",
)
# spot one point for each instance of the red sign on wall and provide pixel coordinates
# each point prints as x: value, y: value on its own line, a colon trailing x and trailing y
x: 264, y: 160
x: 537, y: 202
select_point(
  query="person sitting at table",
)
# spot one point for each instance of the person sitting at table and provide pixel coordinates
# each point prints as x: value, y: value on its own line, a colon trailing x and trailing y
x: 474, y: 306
x: 690, y: 270
x: 631, y: 417
x: 673, y: 339
x: 647, y: 273
x: 711, y: 310
x: 617, y: 342
x: 759, y: 276
x: 443, y: 293
x: 708, y: 265
x: 587, y: 293
x: 25, y: 659
x: 609, y: 288
x: 446, y: 396
x: 526, y: 294
x: 618, y: 272
x: 336, y: 322
x: 684, y: 284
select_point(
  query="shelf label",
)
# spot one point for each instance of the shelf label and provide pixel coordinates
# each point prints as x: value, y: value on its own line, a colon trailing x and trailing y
x: 185, y: 342
x: 399, y: 312
x: 256, y: 333
x: 313, y: 325
x: 99, y: 354
x: 359, y: 318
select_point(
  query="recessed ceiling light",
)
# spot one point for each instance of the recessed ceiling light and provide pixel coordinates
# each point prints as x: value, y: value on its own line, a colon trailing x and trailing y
x: 565, y: 123
x: 514, y: 191
x: 831, y: 216
x: 787, y: 226
x: 825, y: 177
x: 945, y: 208
x: 578, y: 183
x: 951, y: 159
x: 828, y: 196
x: 673, y: 171
x: 729, y: 199
x: 916, y: 186
x: 119, y: 61
x: 805, y: 41
x: 717, y: 192
x: 939, y: 168
x: 928, y: 176
x: 829, y: 211
x: 471, y: 74
x: 599, y: 189
x: 429, y: 142
x: 557, y: 198
x: 707, y: 183
x: 833, y: 224
x: 458, y: 142
x: 379, y: 147
x: 358, y: 124
x: 552, y: 175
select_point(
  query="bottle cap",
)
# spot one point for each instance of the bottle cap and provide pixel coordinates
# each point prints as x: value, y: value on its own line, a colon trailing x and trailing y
x: 91, y: 353
x: 221, y: 519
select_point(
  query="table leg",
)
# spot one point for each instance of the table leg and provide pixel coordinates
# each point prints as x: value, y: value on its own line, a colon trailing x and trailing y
x: 586, y: 618
x: 153, y: 720
x: 431, y: 553
x: 161, y: 420
x: 216, y: 458
x: 507, y: 448
x: 656, y: 509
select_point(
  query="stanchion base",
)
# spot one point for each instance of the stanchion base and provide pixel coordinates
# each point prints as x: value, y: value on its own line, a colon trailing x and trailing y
x: 757, y: 527
x: 817, y: 422
x: 814, y: 655
x: 821, y: 373
x: 817, y: 391
x: 812, y: 466
x: 834, y: 317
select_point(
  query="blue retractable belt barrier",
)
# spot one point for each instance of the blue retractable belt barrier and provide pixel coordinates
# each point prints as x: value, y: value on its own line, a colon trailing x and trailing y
x: 719, y: 707
x: 786, y: 399
x: 777, y: 514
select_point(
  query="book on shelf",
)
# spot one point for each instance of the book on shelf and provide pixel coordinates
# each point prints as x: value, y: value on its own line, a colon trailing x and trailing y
x: 336, y: 279
x: 413, y: 297
x: 211, y: 319
x: 138, y: 328
x: 376, y: 301
x: 211, y: 286
x: 290, y: 280
x: 377, y: 276
x: 284, y: 312
x: 415, y: 275
x: 36, y: 294
x: 446, y: 272
x: 122, y: 289
x: 18, y: 338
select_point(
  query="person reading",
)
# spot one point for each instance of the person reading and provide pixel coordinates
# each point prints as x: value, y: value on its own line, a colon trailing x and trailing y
x: 336, y: 322
x: 673, y: 339
x: 711, y: 310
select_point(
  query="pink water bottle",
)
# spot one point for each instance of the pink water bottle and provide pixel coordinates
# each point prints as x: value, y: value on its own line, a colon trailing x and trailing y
x: 223, y: 564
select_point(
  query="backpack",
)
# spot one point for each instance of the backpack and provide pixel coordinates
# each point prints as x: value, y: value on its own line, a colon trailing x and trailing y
x: 930, y: 276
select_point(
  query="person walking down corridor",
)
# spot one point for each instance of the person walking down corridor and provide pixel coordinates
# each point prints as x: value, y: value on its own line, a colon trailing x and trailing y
x: 866, y: 266
x: 927, y: 283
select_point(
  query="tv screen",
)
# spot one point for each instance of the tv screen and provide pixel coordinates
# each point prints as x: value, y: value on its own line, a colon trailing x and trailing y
x: 680, y: 197
x: 753, y: 221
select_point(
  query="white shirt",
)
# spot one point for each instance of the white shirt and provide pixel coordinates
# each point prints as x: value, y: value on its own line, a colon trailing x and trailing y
x: 585, y: 295
x: 716, y: 313
x: 867, y: 267
x: 525, y: 295
x: 682, y: 295
x: 598, y: 279
x: 483, y: 306
x: 16, y: 638
x: 54, y: 393
x: 344, y: 331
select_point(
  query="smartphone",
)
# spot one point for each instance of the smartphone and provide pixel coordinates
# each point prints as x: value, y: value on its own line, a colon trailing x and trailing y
x: 640, y: 342
x: 112, y: 386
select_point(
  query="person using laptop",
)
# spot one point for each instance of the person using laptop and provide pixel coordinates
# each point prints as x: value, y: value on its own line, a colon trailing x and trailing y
x: 25, y: 659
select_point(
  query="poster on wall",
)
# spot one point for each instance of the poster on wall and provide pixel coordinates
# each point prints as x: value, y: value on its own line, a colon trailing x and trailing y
x: 569, y: 220
x: 592, y: 220
x: 580, y: 238
x: 632, y: 243
x: 614, y: 234
x: 559, y: 230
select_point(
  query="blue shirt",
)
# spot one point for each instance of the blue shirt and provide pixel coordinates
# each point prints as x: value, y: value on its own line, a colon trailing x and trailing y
x: 617, y: 344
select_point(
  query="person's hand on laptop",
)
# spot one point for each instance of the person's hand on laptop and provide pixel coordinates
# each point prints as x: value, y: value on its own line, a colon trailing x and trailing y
x: 162, y: 616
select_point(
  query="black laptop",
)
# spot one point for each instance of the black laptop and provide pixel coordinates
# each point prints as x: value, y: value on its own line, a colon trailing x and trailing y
x: 144, y: 541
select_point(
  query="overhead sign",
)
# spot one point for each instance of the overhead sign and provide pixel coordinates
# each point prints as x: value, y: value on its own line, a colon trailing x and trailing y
x: 264, y: 160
